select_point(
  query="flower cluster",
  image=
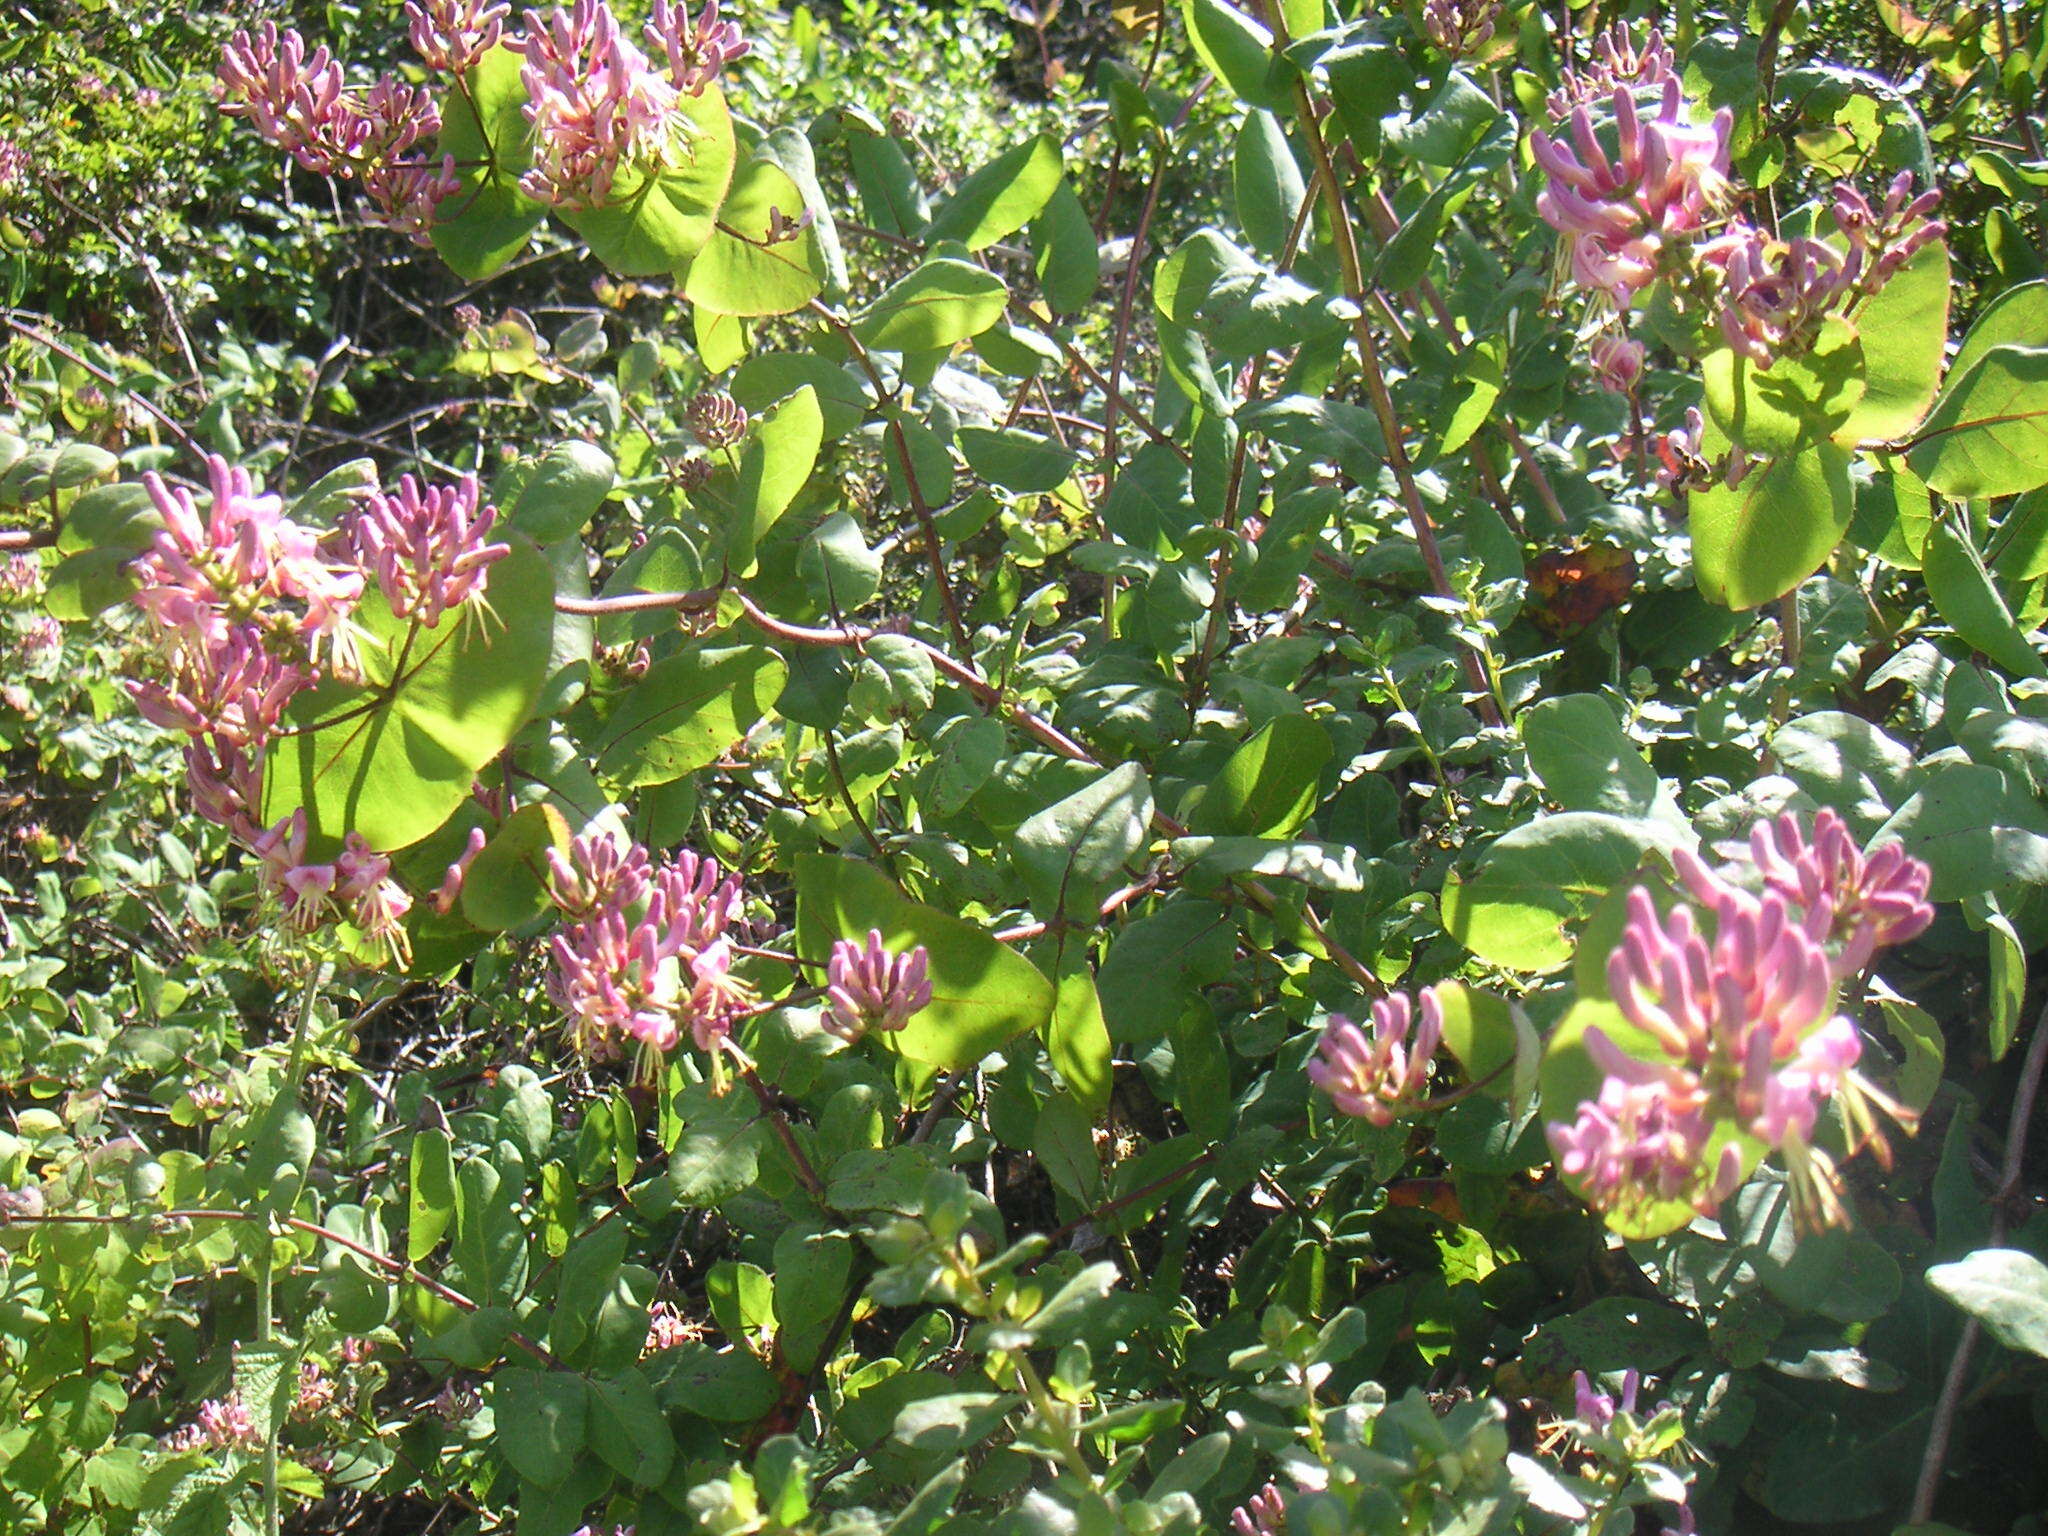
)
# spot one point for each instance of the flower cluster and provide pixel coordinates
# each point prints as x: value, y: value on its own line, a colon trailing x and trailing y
x: 452, y: 35
x: 667, y: 1328
x: 1617, y: 65
x: 1741, y: 1026
x: 1460, y: 27
x: 221, y: 1424
x: 21, y: 575
x: 1621, y: 213
x: 596, y: 104
x: 246, y: 609
x: 645, y: 955
x: 868, y: 987
x: 301, y: 102
x: 1381, y: 1076
x: 1776, y: 293
x: 425, y: 546
x: 697, y: 50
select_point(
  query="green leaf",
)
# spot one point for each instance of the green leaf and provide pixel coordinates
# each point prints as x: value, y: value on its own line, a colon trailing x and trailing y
x: 1794, y: 403
x: 767, y: 377
x: 1759, y: 539
x: 936, y: 305
x: 1156, y: 963
x: 1535, y: 885
x: 1904, y: 330
x: 811, y: 1274
x: 1065, y: 257
x: 1000, y: 198
x: 589, y: 1274
x: 489, y: 219
x: 541, y: 1422
x: 393, y: 760
x: 1975, y: 830
x: 1267, y: 182
x: 1586, y: 761
x: 687, y: 710
x: 430, y: 1199
x: 1270, y: 783
x: 983, y: 993
x: 1077, y: 1040
x: 1072, y: 850
x: 628, y: 1430
x: 778, y: 459
x: 87, y: 584
x: 837, y: 565
x: 654, y: 223
x: 1237, y: 50
x: 1988, y: 433
x: 2005, y: 1289
x: 790, y: 147
x: 503, y: 888
x: 1013, y: 460
x: 1844, y: 761
x: 1964, y: 595
x: 2017, y: 317
x: 718, y: 1153
x: 1326, y: 866
x: 1063, y: 1141
x: 746, y: 267
x: 563, y: 492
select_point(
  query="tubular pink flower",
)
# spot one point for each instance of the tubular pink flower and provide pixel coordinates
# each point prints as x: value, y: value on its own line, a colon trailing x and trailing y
x: 376, y: 903
x: 404, y: 194
x: 595, y: 103
x: 601, y: 870
x: 453, y: 34
x: 21, y: 575
x: 1618, y: 214
x: 292, y: 98
x: 1776, y: 293
x: 449, y: 891
x: 1641, y: 1143
x: 1617, y: 363
x: 282, y: 872
x: 234, y: 690
x: 1617, y: 63
x: 426, y: 546
x: 692, y: 905
x: 696, y: 51
x: 869, y: 987
x: 1854, y: 901
x: 227, y: 1423
x: 226, y: 784
x: 1384, y: 1075
x: 1263, y: 1514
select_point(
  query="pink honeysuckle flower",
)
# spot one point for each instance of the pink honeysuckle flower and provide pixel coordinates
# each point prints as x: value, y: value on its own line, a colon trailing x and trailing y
x: 40, y: 636
x: 595, y: 103
x: 21, y: 575
x: 601, y: 869
x: 1887, y: 239
x: 426, y: 546
x: 227, y: 1423
x: 302, y: 889
x: 1617, y: 63
x: 1617, y: 363
x: 293, y: 98
x: 399, y: 116
x: 717, y: 997
x: 452, y: 35
x: 1597, y: 1408
x: 1642, y: 1143
x: 1855, y: 901
x: 226, y: 784
x: 449, y: 891
x: 376, y: 903
x: 1619, y: 213
x: 1776, y: 293
x: 1263, y: 1514
x: 405, y: 194
x: 233, y: 690
x: 696, y: 50
x: 1384, y: 1075
x: 870, y: 987
x: 692, y: 904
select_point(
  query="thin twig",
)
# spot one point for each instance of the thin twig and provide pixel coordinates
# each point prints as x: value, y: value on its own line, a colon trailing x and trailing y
x: 1950, y: 1401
